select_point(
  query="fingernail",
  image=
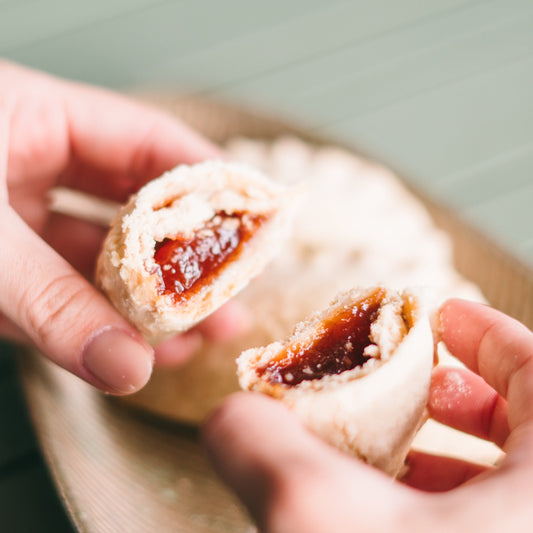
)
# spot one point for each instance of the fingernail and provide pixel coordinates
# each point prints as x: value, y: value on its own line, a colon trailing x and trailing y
x: 120, y: 362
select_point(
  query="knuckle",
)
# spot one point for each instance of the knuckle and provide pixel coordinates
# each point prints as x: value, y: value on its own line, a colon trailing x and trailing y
x: 49, y: 309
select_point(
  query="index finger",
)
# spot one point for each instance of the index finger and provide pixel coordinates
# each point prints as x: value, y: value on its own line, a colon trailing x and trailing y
x: 497, y: 347
x: 115, y: 137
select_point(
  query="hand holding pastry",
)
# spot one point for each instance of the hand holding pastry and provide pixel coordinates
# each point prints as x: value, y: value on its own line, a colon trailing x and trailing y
x: 54, y: 133
x: 292, y: 481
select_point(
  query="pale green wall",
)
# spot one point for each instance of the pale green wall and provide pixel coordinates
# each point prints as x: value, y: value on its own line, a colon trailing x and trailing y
x: 439, y: 89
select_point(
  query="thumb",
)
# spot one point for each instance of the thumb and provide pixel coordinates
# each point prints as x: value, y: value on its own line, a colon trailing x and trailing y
x: 64, y: 315
x: 288, y: 479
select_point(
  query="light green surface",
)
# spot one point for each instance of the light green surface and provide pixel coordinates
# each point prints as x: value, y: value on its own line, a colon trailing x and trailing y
x: 441, y: 90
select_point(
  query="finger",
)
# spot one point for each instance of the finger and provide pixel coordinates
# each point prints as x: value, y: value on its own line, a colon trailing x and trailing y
x: 280, y: 471
x: 112, y: 136
x: 433, y: 473
x: 463, y: 400
x: 4, y: 151
x: 178, y: 349
x: 497, y: 347
x: 77, y: 241
x: 65, y: 316
x: 231, y: 320
x: 8, y: 330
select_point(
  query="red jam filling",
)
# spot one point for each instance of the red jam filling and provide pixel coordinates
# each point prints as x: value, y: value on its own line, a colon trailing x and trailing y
x: 188, y: 263
x: 340, y: 347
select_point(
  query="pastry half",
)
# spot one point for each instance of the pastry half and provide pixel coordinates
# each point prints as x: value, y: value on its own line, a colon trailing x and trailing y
x: 190, y: 240
x: 357, y: 374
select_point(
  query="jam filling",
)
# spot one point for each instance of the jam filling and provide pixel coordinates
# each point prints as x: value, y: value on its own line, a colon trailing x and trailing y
x: 188, y: 263
x: 340, y: 347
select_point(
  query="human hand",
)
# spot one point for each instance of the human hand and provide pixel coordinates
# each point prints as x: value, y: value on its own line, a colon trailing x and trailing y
x: 291, y: 481
x: 52, y: 133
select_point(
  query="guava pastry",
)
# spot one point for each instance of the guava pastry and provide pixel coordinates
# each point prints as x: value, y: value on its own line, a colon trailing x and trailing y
x: 190, y: 240
x: 357, y: 374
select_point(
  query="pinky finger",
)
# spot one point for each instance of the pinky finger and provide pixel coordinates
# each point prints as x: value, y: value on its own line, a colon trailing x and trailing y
x: 434, y: 473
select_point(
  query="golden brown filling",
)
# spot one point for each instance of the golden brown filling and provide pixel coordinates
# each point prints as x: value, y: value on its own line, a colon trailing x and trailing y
x: 340, y: 347
x: 189, y: 263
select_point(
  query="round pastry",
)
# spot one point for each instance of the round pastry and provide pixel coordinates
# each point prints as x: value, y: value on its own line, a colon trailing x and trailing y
x: 357, y: 374
x: 188, y: 241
